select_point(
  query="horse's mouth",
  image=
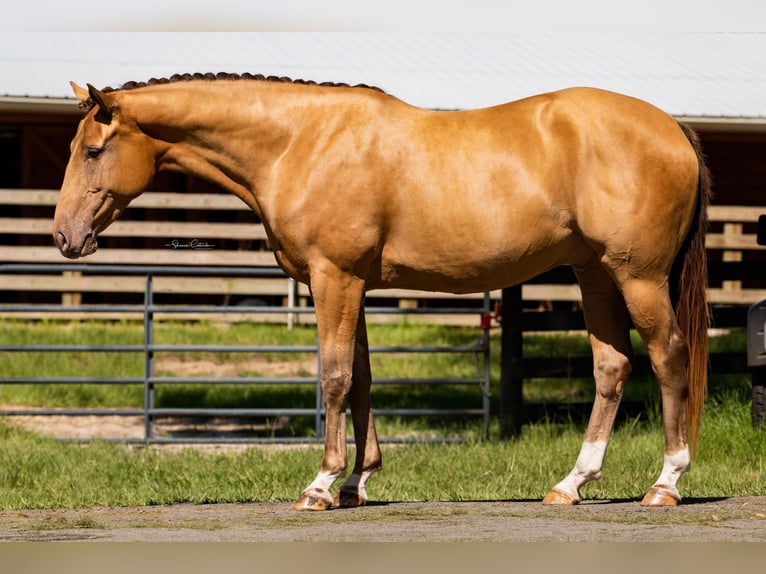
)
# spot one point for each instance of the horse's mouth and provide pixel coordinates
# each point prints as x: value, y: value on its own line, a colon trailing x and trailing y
x: 90, y: 246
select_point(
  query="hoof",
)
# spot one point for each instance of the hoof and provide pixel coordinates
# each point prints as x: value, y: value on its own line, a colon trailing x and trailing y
x: 348, y: 499
x: 561, y: 498
x: 312, y: 501
x: 661, y: 496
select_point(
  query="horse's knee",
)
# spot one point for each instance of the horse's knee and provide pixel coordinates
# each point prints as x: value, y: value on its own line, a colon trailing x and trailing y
x: 611, y: 371
x: 336, y: 385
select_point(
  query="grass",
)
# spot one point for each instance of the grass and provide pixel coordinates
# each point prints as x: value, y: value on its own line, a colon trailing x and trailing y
x: 44, y: 473
x: 39, y: 472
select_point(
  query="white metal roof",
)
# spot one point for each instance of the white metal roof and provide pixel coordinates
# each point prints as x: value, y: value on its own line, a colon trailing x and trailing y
x: 718, y: 75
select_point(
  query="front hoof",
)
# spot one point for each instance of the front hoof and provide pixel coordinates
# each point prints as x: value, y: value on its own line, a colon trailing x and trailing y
x: 312, y: 501
x: 348, y: 499
x: 560, y: 497
x: 661, y: 496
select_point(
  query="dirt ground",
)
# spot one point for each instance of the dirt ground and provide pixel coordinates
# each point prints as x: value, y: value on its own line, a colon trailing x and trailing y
x: 722, y: 520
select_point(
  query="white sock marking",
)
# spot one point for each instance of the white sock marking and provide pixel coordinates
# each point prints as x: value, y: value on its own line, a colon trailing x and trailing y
x: 324, y: 481
x: 675, y: 465
x: 356, y: 482
x: 587, y: 467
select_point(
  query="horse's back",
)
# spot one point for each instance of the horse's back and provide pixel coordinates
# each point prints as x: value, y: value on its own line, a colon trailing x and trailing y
x: 506, y: 192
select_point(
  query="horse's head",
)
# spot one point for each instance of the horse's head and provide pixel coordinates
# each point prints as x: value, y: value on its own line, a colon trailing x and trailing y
x: 111, y: 163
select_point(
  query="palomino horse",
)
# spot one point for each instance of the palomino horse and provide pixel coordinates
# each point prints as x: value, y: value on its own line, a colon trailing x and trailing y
x: 358, y: 190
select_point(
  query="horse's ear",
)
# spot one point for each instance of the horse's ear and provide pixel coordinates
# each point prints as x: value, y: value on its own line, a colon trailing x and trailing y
x: 107, y: 105
x: 80, y: 93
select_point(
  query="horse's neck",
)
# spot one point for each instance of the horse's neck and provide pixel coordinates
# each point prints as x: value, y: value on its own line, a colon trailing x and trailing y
x: 229, y: 139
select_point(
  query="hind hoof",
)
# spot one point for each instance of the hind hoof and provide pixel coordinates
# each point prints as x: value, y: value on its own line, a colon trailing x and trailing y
x: 661, y: 496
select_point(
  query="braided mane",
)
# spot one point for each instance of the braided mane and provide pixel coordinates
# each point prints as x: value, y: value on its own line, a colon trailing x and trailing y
x: 222, y: 76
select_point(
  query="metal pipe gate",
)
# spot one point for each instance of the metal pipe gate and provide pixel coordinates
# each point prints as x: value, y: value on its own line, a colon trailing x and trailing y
x: 150, y: 380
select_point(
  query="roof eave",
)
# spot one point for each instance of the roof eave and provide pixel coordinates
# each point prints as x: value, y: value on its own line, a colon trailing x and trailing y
x: 724, y: 124
x: 24, y: 104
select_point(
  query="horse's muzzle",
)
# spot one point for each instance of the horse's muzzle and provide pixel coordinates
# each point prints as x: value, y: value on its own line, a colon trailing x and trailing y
x: 73, y: 248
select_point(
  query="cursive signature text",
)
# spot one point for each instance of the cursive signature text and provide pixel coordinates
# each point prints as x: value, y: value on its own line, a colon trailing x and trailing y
x: 193, y: 244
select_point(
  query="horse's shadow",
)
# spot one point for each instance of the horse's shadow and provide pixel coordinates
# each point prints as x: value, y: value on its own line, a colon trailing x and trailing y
x: 587, y: 502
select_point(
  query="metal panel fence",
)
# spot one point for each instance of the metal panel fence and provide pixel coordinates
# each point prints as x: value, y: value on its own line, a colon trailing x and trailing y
x: 149, y: 310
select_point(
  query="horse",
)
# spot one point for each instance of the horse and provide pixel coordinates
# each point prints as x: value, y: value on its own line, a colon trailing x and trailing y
x: 359, y: 190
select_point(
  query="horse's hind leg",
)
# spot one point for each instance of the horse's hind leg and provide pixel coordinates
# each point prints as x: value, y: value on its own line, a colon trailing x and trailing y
x: 608, y: 325
x: 655, y: 320
x: 368, y: 460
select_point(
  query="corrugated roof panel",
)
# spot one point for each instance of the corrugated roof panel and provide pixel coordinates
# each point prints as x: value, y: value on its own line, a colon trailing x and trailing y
x: 699, y: 74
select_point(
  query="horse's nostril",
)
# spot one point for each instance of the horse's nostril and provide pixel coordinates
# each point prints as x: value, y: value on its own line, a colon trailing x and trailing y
x: 61, y: 240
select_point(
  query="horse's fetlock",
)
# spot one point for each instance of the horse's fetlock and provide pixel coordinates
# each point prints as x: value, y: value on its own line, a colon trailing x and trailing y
x: 587, y: 474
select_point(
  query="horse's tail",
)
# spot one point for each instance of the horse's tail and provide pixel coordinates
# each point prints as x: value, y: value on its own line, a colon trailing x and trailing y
x: 692, y: 310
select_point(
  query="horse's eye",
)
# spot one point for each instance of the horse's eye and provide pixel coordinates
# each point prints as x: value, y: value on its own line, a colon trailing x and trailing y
x: 93, y: 151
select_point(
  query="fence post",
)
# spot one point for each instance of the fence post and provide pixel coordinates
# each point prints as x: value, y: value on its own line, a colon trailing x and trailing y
x: 511, y: 358
x: 733, y: 230
x: 148, y: 357
x: 71, y: 298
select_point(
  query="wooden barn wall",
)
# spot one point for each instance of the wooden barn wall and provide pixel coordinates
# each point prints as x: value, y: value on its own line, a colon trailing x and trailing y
x: 738, y: 164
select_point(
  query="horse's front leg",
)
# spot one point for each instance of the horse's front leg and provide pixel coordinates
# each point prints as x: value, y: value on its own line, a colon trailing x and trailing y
x: 368, y: 460
x: 338, y: 302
